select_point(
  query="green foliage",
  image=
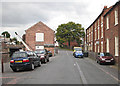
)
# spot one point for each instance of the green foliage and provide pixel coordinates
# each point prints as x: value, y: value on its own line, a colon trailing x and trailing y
x: 6, y: 34
x: 14, y: 40
x: 69, y: 32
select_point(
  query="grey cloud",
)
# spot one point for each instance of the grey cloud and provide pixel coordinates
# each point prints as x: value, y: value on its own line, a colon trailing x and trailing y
x: 15, y: 14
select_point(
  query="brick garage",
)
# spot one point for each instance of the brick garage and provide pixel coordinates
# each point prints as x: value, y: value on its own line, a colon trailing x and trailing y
x: 40, y: 36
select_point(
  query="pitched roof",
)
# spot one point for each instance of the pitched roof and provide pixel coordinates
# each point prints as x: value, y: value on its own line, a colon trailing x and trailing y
x: 39, y: 23
x: 112, y: 7
x: 104, y: 11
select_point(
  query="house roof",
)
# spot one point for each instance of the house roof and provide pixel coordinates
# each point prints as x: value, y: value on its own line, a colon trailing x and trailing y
x: 39, y: 23
x: 117, y: 3
x: 105, y: 9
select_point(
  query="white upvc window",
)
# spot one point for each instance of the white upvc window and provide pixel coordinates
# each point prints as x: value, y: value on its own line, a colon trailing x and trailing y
x: 98, y: 48
x: 91, y: 46
x: 95, y: 34
x: 98, y: 32
x: 91, y: 36
x: 101, y: 30
x: 107, y: 45
x: 95, y: 47
x: 102, y: 46
x: 116, y: 47
x: 39, y: 37
x: 116, y: 17
x: 87, y: 38
x: 107, y: 22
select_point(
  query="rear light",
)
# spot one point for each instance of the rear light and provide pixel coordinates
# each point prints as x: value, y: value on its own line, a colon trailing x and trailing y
x: 11, y: 61
x: 25, y: 60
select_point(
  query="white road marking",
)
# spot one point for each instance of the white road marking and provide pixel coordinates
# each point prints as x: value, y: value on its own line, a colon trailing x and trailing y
x: 74, y: 64
x: 81, y: 74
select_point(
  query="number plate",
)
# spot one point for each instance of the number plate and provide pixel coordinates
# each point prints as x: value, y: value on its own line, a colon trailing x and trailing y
x: 18, y: 61
x: 108, y: 61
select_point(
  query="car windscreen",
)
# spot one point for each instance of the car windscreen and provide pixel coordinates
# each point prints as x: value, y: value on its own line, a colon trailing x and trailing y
x: 78, y: 49
x: 80, y: 52
x: 105, y: 54
x: 16, y: 55
x: 40, y: 52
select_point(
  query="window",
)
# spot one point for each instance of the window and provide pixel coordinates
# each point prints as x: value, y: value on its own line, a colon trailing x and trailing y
x: 39, y: 37
x: 39, y: 47
x: 91, y: 46
x: 89, y: 37
x: 101, y: 30
x: 98, y: 48
x: 116, y: 17
x: 95, y: 47
x: 101, y: 46
x: 107, y: 45
x: 98, y: 32
x: 107, y: 22
x: 116, y: 46
x: 95, y: 34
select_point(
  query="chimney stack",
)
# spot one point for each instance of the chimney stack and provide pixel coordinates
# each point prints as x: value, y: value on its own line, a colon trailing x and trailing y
x: 105, y: 7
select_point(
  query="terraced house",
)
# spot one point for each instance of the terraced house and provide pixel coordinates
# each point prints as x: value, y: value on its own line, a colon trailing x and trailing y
x: 103, y: 35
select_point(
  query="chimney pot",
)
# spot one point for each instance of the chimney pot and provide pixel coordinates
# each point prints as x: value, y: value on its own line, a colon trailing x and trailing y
x: 105, y: 7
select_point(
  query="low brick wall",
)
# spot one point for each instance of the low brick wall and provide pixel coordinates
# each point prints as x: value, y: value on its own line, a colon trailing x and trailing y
x: 92, y: 55
x: 6, y: 57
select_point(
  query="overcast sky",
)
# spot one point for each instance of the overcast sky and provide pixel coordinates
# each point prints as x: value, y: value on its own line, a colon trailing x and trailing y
x: 19, y: 15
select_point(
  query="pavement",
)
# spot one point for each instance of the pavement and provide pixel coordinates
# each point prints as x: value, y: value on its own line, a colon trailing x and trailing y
x: 64, y: 69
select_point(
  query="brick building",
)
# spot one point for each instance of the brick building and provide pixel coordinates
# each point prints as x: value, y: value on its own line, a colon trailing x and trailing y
x: 112, y: 27
x: 103, y: 35
x: 95, y: 33
x: 40, y: 36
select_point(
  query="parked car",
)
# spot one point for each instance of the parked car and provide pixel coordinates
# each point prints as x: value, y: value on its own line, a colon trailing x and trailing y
x: 103, y: 58
x: 43, y: 55
x: 22, y: 60
x: 78, y: 54
x: 50, y: 53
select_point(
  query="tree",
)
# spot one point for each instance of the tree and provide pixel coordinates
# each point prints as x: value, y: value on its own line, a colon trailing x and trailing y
x: 70, y: 32
x: 6, y: 34
x: 14, y: 40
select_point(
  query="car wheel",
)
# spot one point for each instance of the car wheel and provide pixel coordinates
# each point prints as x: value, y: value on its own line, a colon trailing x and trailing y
x: 99, y: 62
x: 39, y: 64
x: 47, y: 60
x: 14, y: 70
x: 32, y: 66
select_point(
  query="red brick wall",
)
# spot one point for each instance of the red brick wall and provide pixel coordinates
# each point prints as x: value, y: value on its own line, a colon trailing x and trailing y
x: 39, y: 28
x: 119, y: 28
x: 112, y: 32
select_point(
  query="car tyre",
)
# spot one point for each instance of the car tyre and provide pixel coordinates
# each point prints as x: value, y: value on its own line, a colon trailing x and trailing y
x: 47, y: 60
x: 14, y: 70
x: 32, y: 66
x: 39, y: 64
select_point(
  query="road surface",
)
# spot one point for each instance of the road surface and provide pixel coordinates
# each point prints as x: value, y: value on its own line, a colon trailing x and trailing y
x: 64, y: 69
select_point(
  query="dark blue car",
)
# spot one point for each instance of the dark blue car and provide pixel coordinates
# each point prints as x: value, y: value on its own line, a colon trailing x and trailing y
x: 78, y: 54
x: 24, y: 60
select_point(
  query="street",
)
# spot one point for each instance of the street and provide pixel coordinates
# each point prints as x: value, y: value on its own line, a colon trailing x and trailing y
x: 64, y: 69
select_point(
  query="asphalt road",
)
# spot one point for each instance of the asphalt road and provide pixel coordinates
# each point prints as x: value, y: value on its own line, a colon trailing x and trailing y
x: 64, y: 69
